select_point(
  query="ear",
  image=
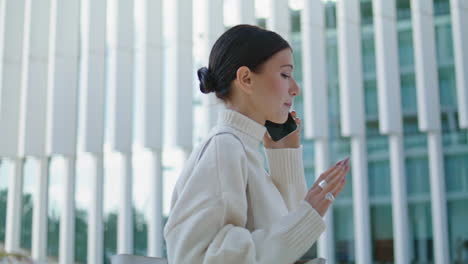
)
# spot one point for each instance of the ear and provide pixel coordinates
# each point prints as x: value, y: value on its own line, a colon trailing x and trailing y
x: 244, y: 79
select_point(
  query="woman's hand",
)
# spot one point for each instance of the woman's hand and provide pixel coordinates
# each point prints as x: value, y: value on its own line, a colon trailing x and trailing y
x: 328, y: 185
x: 292, y: 140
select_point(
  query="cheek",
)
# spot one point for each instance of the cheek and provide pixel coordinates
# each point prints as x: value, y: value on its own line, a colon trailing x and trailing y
x: 279, y: 89
x: 274, y: 91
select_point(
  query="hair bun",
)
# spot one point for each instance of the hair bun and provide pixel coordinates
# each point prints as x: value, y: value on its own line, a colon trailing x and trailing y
x: 207, y: 80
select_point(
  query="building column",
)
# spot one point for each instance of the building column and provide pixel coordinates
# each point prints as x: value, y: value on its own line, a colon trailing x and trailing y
x: 96, y: 218
x: 429, y: 119
x: 315, y: 101
x: 92, y: 107
x: 125, y: 221
x: 390, y: 118
x: 401, y: 242
x: 245, y: 12
x: 326, y: 243
x: 121, y: 92
x: 14, y: 207
x: 155, y: 224
x: 180, y: 72
x: 459, y: 14
x: 33, y: 114
x: 151, y: 78
x: 67, y: 216
x: 352, y: 117
x: 279, y: 20
x: 212, y: 28
x: 39, y: 228
x: 11, y: 59
x: 62, y: 110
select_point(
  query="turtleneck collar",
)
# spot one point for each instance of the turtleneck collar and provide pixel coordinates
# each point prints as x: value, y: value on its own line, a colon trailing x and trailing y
x: 242, y: 123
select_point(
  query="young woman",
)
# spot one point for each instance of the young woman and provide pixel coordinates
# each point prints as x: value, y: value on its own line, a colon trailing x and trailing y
x: 226, y: 207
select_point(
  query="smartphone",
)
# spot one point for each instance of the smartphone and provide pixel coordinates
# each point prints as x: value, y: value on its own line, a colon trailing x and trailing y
x: 279, y: 131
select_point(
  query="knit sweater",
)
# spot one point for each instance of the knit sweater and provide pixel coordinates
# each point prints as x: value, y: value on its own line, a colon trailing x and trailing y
x: 226, y: 208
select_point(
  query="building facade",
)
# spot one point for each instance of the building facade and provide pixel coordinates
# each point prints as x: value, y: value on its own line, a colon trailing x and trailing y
x: 109, y: 107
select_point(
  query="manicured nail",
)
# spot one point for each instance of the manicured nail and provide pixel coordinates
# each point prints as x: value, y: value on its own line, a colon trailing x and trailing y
x: 346, y: 161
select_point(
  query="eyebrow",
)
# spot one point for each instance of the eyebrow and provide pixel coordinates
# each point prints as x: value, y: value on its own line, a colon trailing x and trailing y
x: 287, y: 65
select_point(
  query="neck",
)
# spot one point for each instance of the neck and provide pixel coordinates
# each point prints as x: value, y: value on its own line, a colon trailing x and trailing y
x: 249, y: 112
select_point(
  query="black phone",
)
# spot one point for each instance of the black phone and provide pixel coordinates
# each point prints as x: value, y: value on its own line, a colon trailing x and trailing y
x: 279, y: 131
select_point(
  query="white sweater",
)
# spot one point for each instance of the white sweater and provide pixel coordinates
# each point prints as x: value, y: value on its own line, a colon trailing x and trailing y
x: 226, y: 208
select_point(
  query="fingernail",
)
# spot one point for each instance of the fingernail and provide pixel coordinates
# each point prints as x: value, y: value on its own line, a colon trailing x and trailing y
x: 346, y: 161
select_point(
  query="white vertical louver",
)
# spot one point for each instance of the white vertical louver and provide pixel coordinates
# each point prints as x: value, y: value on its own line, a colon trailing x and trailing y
x: 11, y: 58
x: 279, y: 20
x: 245, y: 12
x: 459, y: 13
x: 212, y: 28
x: 390, y: 118
x: 314, y: 65
x: 180, y: 73
x: 33, y: 128
x: 353, y: 119
x: 429, y: 119
x: 91, y: 117
x: 62, y: 110
x: 121, y: 92
x: 150, y: 78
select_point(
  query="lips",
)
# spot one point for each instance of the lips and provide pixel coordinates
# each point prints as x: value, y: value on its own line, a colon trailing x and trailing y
x: 288, y: 104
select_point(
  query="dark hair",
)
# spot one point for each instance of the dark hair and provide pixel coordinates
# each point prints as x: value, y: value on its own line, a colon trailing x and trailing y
x: 242, y: 45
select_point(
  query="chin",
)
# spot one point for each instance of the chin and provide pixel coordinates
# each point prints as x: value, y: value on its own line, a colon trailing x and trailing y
x: 281, y: 119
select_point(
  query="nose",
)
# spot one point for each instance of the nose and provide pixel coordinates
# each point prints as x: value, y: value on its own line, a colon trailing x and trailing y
x: 294, y: 90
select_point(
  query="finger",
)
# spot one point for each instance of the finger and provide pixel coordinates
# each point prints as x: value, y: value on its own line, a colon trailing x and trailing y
x: 294, y: 114
x: 298, y: 125
x: 298, y: 121
x: 339, y: 187
x: 332, y: 175
x: 334, y: 170
x: 343, y: 163
x: 324, y: 175
x: 337, y: 190
x: 338, y: 177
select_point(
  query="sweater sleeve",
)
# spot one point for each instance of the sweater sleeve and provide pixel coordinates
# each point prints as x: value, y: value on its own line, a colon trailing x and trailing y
x: 287, y: 173
x: 207, y: 222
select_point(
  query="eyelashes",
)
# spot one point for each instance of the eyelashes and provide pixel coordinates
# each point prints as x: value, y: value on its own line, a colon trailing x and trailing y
x: 285, y: 76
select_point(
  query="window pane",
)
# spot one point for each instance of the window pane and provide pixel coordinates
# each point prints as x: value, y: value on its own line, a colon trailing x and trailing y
x: 403, y: 9
x: 84, y: 175
x: 4, y: 178
x: 30, y: 168
x: 382, y: 233
x: 421, y: 231
x: 344, y: 232
x: 57, y: 171
x: 112, y: 170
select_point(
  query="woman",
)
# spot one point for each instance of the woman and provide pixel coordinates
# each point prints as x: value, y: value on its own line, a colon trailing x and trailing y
x: 226, y: 208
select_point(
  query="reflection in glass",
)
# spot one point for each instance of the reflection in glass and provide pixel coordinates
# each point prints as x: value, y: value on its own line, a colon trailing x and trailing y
x: 29, y: 181
x: 382, y: 232
x: 343, y: 228
x: 421, y: 231
x: 112, y: 169
x: 4, y: 178
x: 84, y: 175
x: 141, y: 199
x: 57, y: 172
x: 456, y: 175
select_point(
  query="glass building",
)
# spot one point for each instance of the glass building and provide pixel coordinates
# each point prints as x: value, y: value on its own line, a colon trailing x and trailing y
x: 99, y: 181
